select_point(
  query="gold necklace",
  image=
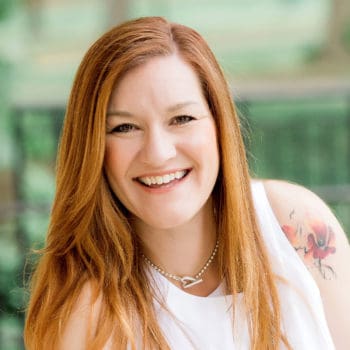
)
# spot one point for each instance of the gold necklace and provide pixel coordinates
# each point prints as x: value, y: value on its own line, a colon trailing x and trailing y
x: 186, y: 281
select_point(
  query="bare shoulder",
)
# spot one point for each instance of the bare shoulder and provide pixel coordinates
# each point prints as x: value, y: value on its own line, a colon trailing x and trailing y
x: 285, y: 197
x: 309, y: 224
x: 319, y: 239
x: 86, y: 310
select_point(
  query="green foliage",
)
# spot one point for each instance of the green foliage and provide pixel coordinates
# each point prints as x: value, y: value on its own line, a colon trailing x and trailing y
x: 5, y: 74
x: 312, y: 53
x: 10, y: 333
x: 6, y: 6
x: 346, y: 36
x: 39, y: 143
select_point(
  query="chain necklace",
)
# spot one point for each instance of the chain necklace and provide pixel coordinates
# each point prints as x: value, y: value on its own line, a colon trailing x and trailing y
x: 186, y: 281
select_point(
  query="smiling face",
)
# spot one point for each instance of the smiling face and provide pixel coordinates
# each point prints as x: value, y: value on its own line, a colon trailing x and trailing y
x: 161, y: 155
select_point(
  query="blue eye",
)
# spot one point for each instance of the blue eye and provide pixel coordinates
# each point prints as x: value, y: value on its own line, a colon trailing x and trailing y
x: 182, y: 119
x: 124, y: 128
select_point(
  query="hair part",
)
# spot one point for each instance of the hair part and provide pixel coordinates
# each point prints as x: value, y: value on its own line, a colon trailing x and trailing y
x: 89, y: 237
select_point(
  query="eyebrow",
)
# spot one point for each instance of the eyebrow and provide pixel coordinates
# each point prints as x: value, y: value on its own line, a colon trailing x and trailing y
x: 180, y: 105
x: 173, y: 108
x: 118, y: 114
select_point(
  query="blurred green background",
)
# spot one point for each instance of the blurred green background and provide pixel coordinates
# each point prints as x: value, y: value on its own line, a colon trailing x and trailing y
x: 286, y: 60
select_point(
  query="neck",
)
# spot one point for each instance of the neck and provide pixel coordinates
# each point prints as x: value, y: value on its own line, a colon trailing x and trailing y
x: 184, y: 250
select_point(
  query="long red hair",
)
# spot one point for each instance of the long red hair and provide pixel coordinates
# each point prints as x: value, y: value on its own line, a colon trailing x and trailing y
x: 89, y: 237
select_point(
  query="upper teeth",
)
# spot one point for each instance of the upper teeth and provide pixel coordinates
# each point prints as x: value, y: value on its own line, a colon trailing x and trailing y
x: 159, y: 180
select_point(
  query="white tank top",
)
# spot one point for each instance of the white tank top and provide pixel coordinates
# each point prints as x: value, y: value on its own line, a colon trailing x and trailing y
x: 205, y: 323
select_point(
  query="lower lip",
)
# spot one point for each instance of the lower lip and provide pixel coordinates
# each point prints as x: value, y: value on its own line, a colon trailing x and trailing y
x: 166, y: 187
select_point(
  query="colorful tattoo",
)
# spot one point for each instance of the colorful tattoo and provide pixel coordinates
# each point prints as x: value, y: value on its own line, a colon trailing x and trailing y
x: 314, y: 240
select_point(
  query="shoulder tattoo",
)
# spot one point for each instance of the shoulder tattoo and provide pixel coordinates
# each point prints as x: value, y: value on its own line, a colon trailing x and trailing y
x: 314, y: 241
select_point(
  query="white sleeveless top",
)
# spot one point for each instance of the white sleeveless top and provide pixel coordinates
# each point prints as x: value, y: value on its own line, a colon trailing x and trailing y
x: 205, y: 323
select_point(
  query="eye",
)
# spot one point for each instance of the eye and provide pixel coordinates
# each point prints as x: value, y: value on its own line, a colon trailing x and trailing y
x: 124, y: 128
x: 181, y: 119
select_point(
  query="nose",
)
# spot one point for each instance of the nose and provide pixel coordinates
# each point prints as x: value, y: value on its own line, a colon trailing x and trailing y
x: 159, y: 146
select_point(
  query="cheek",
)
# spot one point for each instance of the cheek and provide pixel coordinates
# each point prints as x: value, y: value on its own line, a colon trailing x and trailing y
x: 115, y: 162
x: 206, y: 144
x: 211, y: 154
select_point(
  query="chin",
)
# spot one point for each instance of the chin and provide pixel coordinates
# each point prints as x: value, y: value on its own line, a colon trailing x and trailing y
x: 167, y: 222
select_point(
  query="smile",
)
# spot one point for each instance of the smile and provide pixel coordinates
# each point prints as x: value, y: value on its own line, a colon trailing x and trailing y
x: 156, y: 181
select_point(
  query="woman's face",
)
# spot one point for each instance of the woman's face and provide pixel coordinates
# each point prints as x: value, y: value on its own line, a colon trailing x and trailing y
x: 162, y: 155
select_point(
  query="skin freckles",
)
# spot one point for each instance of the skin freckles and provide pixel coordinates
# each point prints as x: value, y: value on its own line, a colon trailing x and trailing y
x: 314, y: 240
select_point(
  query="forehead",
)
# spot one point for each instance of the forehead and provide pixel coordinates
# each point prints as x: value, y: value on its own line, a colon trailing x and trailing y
x: 161, y: 81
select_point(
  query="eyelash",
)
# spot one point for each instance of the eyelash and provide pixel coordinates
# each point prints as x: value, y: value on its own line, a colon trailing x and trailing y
x: 126, y: 128
x: 182, y: 119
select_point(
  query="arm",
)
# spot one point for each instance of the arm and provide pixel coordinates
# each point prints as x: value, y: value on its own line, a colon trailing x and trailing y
x: 318, y: 238
x: 75, y: 331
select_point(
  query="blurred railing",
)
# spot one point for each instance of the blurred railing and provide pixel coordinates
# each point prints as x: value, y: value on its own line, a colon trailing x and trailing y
x: 300, y: 131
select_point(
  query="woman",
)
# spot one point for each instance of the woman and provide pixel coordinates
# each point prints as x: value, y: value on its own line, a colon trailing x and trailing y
x: 158, y: 237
